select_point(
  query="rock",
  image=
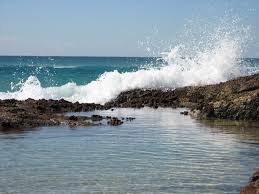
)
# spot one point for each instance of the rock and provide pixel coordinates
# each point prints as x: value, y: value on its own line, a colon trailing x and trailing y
x: 73, y: 118
x: 114, y: 121
x: 97, y: 118
x: 6, y: 125
x: 255, y: 177
x: 130, y: 118
x: 31, y: 113
x: 34, y: 113
x: 253, y: 185
x: 184, y: 113
x: 236, y: 99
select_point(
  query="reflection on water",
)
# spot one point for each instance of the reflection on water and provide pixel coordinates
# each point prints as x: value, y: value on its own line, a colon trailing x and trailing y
x: 159, y: 152
x: 245, y: 130
x: 14, y: 133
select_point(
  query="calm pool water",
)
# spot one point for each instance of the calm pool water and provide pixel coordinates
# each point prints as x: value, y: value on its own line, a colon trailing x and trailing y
x: 159, y: 152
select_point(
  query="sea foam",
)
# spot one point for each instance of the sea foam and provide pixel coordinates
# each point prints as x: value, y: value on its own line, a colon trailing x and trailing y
x: 211, y: 60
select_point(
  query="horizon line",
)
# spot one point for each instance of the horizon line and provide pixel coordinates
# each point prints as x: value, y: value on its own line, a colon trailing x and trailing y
x: 76, y: 56
x: 105, y: 56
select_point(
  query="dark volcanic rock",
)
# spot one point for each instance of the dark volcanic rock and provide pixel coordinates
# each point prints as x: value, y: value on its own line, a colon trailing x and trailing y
x: 236, y: 99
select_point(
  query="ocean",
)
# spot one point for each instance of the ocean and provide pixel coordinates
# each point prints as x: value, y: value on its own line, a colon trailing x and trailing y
x: 57, y: 71
x: 100, y: 79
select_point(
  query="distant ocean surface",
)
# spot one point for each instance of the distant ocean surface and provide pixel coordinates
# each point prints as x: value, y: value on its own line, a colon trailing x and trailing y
x: 99, y: 79
x: 57, y: 71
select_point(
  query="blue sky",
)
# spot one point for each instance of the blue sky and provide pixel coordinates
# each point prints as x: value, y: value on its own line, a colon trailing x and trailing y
x: 108, y: 27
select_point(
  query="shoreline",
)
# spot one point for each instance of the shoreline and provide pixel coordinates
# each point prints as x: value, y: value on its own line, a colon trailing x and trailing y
x: 236, y: 99
x: 19, y: 115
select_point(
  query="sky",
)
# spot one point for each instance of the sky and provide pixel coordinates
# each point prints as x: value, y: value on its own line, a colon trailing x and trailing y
x: 110, y: 27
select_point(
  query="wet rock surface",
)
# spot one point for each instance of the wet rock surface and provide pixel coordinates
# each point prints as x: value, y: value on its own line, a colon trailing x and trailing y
x: 236, y: 99
x: 114, y: 121
x: 253, y: 185
x: 184, y: 113
x: 34, y: 113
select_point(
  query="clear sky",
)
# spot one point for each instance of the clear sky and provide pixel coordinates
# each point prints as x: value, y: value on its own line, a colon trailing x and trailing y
x: 108, y: 27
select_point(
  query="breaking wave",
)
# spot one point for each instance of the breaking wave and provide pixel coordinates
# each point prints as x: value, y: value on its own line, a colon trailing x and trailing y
x: 212, y: 59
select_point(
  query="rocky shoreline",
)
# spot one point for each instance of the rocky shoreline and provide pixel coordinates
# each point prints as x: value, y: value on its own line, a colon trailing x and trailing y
x: 34, y: 113
x: 31, y: 113
x: 236, y: 99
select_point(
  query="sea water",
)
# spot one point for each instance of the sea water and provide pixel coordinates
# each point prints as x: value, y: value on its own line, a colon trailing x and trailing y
x: 159, y: 152
x: 100, y: 79
x: 213, y: 56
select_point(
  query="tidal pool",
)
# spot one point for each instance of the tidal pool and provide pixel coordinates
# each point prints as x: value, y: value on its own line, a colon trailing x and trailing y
x: 159, y: 152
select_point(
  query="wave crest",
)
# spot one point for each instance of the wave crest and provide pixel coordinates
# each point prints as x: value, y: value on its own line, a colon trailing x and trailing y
x: 208, y: 62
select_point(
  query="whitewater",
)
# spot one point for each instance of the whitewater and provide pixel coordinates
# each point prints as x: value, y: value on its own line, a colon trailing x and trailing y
x: 212, y: 59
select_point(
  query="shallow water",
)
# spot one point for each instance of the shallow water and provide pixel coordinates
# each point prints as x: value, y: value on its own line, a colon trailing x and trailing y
x: 159, y: 152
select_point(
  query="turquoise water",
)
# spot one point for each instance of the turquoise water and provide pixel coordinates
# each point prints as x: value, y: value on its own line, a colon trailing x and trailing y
x: 101, y: 79
x: 56, y: 71
x: 159, y: 152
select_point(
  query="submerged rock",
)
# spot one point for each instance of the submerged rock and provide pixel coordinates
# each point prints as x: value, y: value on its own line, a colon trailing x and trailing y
x: 97, y: 118
x: 184, y: 113
x: 114, y: 121
x: 130, y: 118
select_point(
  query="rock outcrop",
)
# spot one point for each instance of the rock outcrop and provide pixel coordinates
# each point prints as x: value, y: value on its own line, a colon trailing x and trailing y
x: 236, y: 99
x: 34, y: 113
